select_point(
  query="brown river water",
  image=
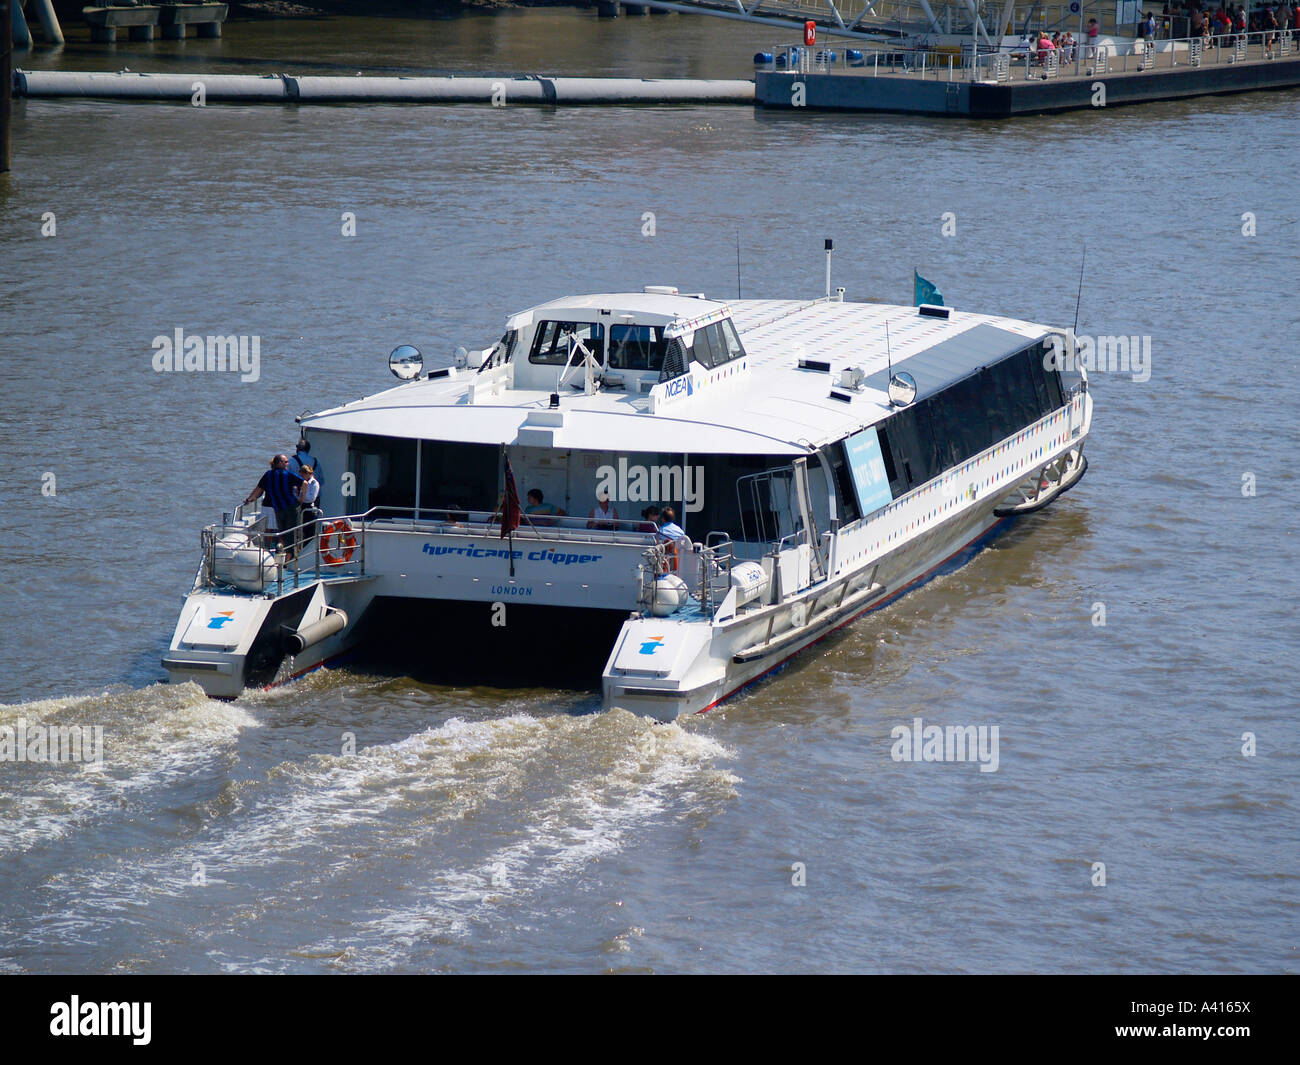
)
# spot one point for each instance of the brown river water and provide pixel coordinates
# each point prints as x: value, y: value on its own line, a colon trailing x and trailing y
x: 491, y: 829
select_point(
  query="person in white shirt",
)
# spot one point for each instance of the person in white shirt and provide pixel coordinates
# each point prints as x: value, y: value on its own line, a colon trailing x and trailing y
x: 602, y: 515
x: 308, y: 493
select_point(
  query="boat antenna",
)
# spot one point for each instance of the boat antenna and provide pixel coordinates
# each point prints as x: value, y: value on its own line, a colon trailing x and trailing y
x: 1079, y: 299
x: 889, y: 359
x: 830, y: 247
x: 738, y: 264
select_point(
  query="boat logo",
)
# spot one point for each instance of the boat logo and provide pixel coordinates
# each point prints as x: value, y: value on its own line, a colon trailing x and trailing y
x: 650, y: 646
x: 221, y: 619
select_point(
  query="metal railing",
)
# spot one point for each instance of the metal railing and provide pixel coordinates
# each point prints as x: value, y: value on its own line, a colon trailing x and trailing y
x: 309, y: 551
x: 988, y: 65
x: 334, y: 546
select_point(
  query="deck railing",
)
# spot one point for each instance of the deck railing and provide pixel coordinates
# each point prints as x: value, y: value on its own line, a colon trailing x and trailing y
x: 335, y: 546
x: 965, y: 64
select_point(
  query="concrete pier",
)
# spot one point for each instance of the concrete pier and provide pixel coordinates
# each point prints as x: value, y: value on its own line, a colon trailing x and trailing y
x: 176, y: 20
x: 140, y: 22
x: 106, y: 21
x: 943, y: 91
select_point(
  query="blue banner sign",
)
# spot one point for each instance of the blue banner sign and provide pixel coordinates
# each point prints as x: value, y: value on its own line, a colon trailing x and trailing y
x: 868, y: 467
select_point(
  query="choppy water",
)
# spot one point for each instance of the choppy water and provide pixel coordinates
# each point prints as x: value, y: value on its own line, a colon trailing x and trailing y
x: 484, y: 829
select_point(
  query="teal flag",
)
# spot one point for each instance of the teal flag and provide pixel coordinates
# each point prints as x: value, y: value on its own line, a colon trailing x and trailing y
x: 926, y: 291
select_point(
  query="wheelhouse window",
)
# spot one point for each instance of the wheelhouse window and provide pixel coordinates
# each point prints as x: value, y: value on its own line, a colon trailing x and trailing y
x: 636, y: 347
x: 551, y: 341
x: 717, y: 344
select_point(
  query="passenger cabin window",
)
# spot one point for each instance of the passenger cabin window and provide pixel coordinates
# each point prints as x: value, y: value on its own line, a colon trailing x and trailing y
x: 636, y: 347
x: 551, y: 342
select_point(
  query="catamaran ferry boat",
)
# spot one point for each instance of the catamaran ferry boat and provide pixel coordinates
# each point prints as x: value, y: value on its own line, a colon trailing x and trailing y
x: 821, y: 456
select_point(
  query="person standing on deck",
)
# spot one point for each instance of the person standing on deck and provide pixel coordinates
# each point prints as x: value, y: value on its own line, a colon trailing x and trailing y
x: 302, y: 457
x: 308, y: 493
x: 281, y: 490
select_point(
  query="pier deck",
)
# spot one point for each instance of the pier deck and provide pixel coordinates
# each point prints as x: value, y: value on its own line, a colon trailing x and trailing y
x: 1001, y: 88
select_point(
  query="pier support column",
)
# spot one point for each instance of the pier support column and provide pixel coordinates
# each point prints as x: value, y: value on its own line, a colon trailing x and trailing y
x: 140, y: 33
x: 21, y: 38
x: 174, y: 32
x: 635, y: 9
x: 209, y: 30
x: 607, y: 8
x: 103, y: 34
x: 50, y: 27
x: 6, y: 79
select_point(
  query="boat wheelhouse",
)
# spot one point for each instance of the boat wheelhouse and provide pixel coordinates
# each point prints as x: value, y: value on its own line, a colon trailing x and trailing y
x: 821, y: 457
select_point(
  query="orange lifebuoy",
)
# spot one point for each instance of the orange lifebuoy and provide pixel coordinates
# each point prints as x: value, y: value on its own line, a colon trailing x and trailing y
x: 810, y: 33
x: 670, y: 556
x: 337, y: 544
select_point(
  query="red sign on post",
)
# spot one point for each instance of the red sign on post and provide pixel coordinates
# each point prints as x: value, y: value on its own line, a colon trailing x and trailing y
x: 810, y: 33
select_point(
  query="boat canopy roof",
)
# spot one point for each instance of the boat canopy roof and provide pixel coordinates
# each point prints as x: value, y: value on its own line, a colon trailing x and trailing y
x: 765, y: 403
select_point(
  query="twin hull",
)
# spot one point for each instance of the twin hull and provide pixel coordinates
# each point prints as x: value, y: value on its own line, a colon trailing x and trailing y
x: 658, y: 667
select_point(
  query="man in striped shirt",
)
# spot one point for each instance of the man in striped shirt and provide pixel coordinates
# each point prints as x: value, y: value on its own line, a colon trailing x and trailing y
x: 281, y: 490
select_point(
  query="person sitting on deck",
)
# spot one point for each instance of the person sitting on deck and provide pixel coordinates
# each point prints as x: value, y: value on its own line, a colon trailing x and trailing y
x: 535, y: 504
x: 670, y: 530
x: 541, y: 513
x: 602, y: 515
x: 650, y: 520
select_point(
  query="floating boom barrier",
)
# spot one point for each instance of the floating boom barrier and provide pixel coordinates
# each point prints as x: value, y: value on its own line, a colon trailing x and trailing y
x: 285, y: 88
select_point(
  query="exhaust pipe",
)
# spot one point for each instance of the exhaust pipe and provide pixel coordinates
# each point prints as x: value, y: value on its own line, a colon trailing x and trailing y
x: 333, y: 621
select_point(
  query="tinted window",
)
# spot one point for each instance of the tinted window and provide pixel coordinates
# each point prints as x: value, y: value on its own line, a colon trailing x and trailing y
x: 707, y: 350
x: 551, y: 342
x: 920, y: 442
x: 730, y: 340
x: 636, y: 347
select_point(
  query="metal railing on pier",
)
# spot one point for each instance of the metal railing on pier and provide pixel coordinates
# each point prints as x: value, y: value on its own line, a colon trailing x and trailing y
x: 1081, y: 60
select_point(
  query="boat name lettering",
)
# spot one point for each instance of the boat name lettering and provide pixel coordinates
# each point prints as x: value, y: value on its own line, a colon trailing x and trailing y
x: 557, y: 559
x: 471, y: 552
x: 516, y: 590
